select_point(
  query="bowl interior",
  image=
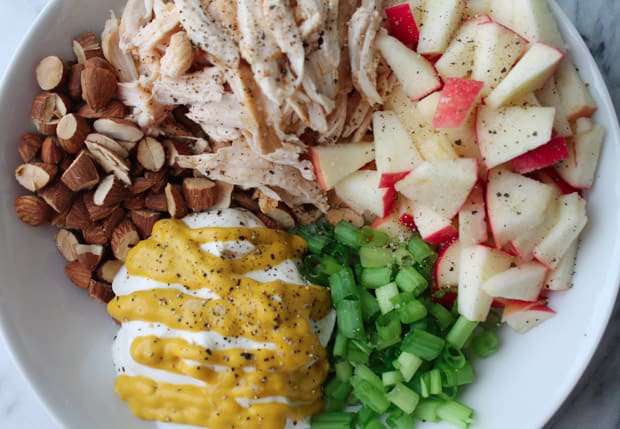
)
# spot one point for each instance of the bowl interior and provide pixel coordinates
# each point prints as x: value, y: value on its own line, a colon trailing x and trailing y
x: 62, y: 340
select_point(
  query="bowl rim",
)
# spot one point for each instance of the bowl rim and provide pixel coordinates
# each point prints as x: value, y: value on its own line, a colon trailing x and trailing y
x: 23, y: 367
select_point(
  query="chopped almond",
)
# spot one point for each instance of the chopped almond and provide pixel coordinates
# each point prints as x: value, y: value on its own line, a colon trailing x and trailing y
x: 96, y: 212
x: 66, y: 242
x: 32, y: 210
x: 156, y: 201
x: 81, y: 173
x: 78, y: 218
x: 336, y: 215
x: 119, y: 129
x: 29, y: 146
x: 57, y: 196
x: 98, y: 83
x: 89, y: 255
x: 200, y: 193
x: 86, y: 46
x: 110, y: 223
x: 51, y: 72
x: 71, y: 132
x: 110, y: 192
x: 51, y: 152
x: 78, y: 274
x: 144, y: 221
x: 35, y: 175
x: 74, y: 82
x: 108, y: 270
x: 114, y: 109
x: 100, y: 291
x: 95, y: 234
x: 124, y: 237
x: 175, y: 201
x: 151, y: 154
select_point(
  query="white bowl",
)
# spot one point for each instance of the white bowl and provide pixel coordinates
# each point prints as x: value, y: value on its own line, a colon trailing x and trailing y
x: 61, y: 339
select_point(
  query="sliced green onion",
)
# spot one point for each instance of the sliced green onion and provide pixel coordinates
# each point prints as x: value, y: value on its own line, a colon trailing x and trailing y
x: 373, y: 237
x: 390, y: 378
x: 384, y: 297
x: 344, y: 370
x: 374, y: 257
x: 435, y: 384
x: 373, y: 278
x: 316, y: 243
x: 388, y: 328
x: 465, y: 375
x: 402, y: 299
x: 442, y: 315
x: 337, y: 389
x: 485, y: 344
x: 401, y: 421
x: 374, y: 424
x: 453, y: 357
x: 329, y: 265
x: 409, y: 280
x: 332, y: 420
x: 342, y: 285
x: 370, y: 306
x: 349, y: 318
x: 404, y: 398
x: 423, y: 344
x: 403, y: 258
x: 340, y: 345
x: 412, y: 312
x: 355, y: 355
x: 362, y: 372
x: 348, y: 234
x: 369, y: 395
x: 341, y: 252
x: 364, y: 415
x: 455, y: 413
x: 419, y: 249
x: 335, y: 405
x: 460, y: 332
x: 408, y: 364
x: 427, y: 410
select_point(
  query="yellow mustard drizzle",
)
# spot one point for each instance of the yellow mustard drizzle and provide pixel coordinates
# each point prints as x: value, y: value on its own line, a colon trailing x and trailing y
x: 276, y: 313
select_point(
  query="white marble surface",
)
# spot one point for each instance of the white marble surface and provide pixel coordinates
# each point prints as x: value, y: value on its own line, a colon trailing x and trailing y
x: 595, y: 403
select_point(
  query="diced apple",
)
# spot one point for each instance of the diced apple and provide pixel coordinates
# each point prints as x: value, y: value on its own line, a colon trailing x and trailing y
x: 573, y: 92
x: 522, y: 316
x: 335, y: 162
x: 508, y: 132
x: 458, y: 58
x: 533, y: 19
x: 440, y: 22
x: 392, y: 225
x: 360, y: 191
x: 395, y: 153
x: 473, y: 219
x: 458, y: 98
x: 402, y: 24
x: 415, y: 73
x: 562, y: 277
x: 525, y: 243
x: 570, y: 221
x: 433, y: 228
x: 436, y: 147
x: 584, y: 151
x: 522, y: 282
x: 515, y: 204
x: 549, y: 96
x: 447, y: 265
x: 476, y: 8
x: 529, y: 74
x: 497, y: 50
x: 583, y: 125
x: 541, y: 157
x: 529, y: 100
x: 551, y: 177
x: 441, y: 185
x: 478, y: 264
x: 502, y: 12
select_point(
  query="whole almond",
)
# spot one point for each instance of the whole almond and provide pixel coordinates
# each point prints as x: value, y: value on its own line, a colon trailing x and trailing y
x: 66, y: 241
x: 32, y: 210
x: 151, y: 154
x: 114, y: 109
x: 144, y: 221
x: 35, y: 175
x: 108, y: 270
x: 86, y: 46
x: 51, y: 152
x: 118, y: 129
x: 100, y: 291
x: 81, y: 174
x: 29, y: 146
x: 89, y: 255
x: 78, y: 218
x: 71, y: 132
x: 78, y: 274
x: 51, y: 72
x: 175, y: 201
x: 57, y: 196
x: 98, y: 84
x: 124, y: 237
x: 74, y: 82
x: 110, y: 192
x: 200, y: 193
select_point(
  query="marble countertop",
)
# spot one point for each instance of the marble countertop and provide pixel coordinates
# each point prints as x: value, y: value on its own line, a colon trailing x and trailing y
x: 594, y: 403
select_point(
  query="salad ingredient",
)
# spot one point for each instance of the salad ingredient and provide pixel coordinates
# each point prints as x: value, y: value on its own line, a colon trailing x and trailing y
x: 29, y: 146
x: 574, y: 94
x: 439, y: 25
x: 402, y: 24
x: 458, y: 99
x: 523, y: 316
x: 81, y: 173
x: 32, y: 210
x: 35, y: 175
x: 432, y: 226
x: 51, y: 72
x: 543, y: 156
x: 217, y: 324
x: 361, y: 192
x: 335, y: 162
x: 579, y: 167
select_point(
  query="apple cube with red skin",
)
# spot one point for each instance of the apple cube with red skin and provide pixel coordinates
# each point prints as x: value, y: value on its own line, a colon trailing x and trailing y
x: 440, y: 22
x: 402, y: 24
x: 477, y: 264
x: 529, y: 74
x: 442, y: 186
x: 392, y: 224
x: 433, y: 228
x: 571, y: 220
x: 534, y: 20
x: 507, y: 132
x: 551, y: 176
x: 543, y: 156
x: 447, y: 265
x: 334, y: 162
x: 515, y: 204
x: 497, y: 50
x: 458, y: 98
x: 416, y: 74
x: 360, y: 191
x: 473, y: 218
x: 522, y: 316
x: 573, y: 92
x: 583, y: 154
x: 523, y: 282
x: 561, y: 278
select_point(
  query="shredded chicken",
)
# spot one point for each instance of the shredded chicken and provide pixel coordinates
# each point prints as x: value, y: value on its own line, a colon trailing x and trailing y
x: 200, y: 87
x: 110, y: 43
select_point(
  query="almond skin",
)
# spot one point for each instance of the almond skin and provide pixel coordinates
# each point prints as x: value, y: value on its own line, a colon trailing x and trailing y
x: 66, y: 242
x: 32, y: 210
x: 57, y: 196
x: 96, y: 212
x: 124, y: 237
x: 71, y: 132
x: 156, y: 201
x: 95, y: 234
x: 51, y: 152
x: 86, y: 46
x: 35, y: 175
x: 137, y: 202
x: 110, y: 192
x: 114, y: 109
x: 29, y: 146
x: 74, y: 81
x: 78, y: 218
x: 144, y: 221
x: 100, y: 291
x: 81, y: 173
x: 200, y: 193
x: 110, y: 223
x: 89, y: 255
x: 98, y: 84
x: 177, y: 207
x: 78, y: 274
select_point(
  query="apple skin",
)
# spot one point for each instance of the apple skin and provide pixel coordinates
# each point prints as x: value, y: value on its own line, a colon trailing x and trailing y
x: 458, y: 98
x: 549, y: 175
x: 388, y: 180
x: 541, y: 157
x: 402, y: 24
x: 444, y: 235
